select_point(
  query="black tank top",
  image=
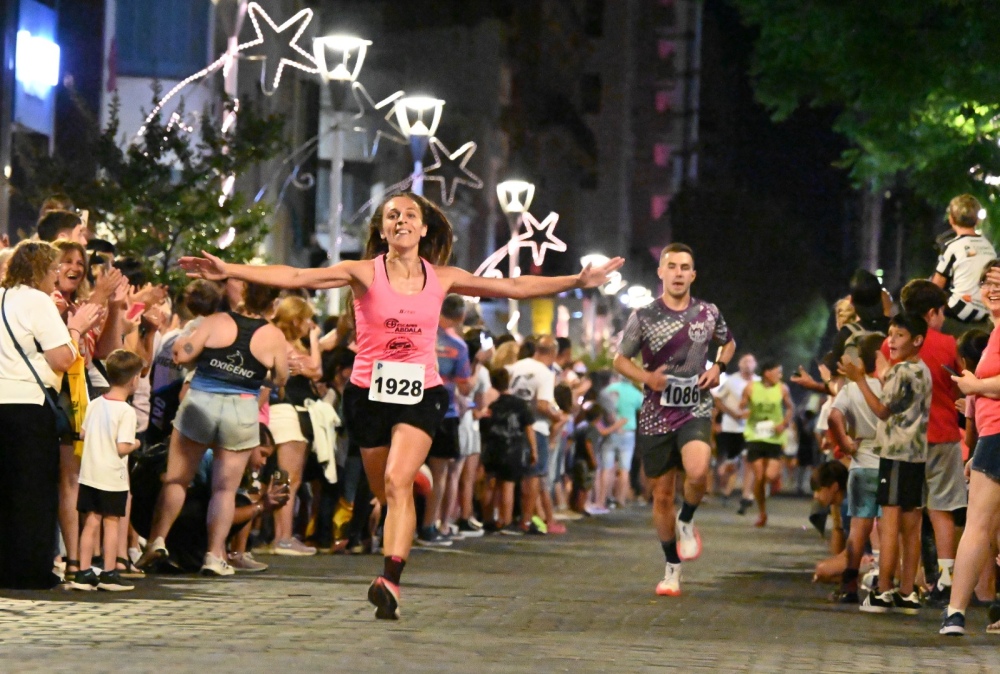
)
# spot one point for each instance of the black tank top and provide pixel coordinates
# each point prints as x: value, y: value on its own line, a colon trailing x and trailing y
x: 235, y: 364
x: 298, y: 390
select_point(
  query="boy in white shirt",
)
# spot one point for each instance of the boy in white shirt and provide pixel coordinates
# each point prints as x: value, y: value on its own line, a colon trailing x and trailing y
x: 108, y: 438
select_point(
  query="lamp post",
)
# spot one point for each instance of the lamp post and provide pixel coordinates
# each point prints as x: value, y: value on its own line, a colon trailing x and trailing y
x: 418, y: 131
x: 515, y: 199
x: 339, y: 73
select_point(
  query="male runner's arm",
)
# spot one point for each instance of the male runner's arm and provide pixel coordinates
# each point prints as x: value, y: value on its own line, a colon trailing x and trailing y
x: 786, y: 398
x: 709, y: 379
x: 655, y: 380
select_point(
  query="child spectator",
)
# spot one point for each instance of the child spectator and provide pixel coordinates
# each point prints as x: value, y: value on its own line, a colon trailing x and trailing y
x: 853, y: 426
x: 109, y: 430
x: 587, y: 439
x: 960, y: 265
x: 903, y: 410
x: 508, y: 445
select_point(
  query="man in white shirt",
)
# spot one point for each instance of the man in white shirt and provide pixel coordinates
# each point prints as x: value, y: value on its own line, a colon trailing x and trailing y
x: 533, y: 380
x: 729, y: 442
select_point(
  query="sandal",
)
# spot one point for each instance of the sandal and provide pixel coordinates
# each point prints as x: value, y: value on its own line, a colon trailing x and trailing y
x: 128, y: 569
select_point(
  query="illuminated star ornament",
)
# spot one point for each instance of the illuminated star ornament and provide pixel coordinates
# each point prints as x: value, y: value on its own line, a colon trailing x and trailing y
x: 269, y: 35
x: 380, y: 118
x: 526, y: 239
x: 451, y: 167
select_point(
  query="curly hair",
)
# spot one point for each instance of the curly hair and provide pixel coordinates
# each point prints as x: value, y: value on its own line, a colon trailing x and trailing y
x: 66, y: 247
x: 290, y: 312
x: 435, y: 247
x: 29, y: 264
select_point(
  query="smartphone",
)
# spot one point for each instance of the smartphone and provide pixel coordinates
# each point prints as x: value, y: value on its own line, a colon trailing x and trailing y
x: 136, y: 310
x: 281, y: 477
x: 951, y: 371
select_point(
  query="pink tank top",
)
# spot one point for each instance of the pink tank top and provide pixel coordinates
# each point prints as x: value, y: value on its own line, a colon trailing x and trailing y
x: 396, y: 327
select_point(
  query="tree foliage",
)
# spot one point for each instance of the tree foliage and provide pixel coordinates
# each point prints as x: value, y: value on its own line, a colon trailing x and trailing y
x: 917, y: 83
x: 162, y: 195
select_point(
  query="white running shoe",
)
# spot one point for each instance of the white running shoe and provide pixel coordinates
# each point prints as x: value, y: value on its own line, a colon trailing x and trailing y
x: 670, y: 586
x: 688, y: 541
x: 214, y: 566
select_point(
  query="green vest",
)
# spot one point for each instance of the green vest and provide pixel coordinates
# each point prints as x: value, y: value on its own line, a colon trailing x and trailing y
x: 767, y: 410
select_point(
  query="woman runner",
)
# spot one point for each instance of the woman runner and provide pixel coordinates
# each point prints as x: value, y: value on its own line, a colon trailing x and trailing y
x: 396, y: 399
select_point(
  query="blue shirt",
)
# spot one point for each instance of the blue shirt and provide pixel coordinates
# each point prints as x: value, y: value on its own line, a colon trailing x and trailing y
x: 453, y: 364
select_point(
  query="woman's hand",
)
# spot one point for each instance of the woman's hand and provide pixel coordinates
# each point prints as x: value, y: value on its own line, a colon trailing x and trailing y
x: 960, y: 405
x: 591, y: 277
x: 86, y: 317
x: 967, y: 382
x: 61, y: 304
x: 208, y: 267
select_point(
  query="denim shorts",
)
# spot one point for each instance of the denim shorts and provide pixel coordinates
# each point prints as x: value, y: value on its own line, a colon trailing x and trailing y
x: 862, y: 492
x: 541, y: 467
x: 986, y: 459
x: 219, y: 420
x: 618, y: 446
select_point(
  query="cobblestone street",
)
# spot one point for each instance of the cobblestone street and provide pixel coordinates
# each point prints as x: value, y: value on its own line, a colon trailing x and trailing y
x: 581, y: 602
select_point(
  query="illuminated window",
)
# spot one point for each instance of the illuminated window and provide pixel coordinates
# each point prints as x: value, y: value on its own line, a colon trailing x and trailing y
x: 663, y: 101
x: 658, y: 205
x: 661, y: 154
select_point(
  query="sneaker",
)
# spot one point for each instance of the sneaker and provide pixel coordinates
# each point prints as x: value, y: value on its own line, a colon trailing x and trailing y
x: 84, y: 580
x: 953, y: 625
x: 214, y: 566
x: 908, y: 605
x: 878, y: 603
x: 511, y: 530
x: 555, y: 528
x: 994, y: 611
x: 670, y: 586
x: 113, y: 582
x: 531, y: 529
x: 596, y: 510
x: 688, y: 541
x: 470, y: 528
x: 385, y: 596
x: 939, y: 596
x: 568, y: 515
x: 540, y: 524
x: 293, y: 547
x: 244, y: 561
x: 430, y: 537
x: 870, y: 580
x: 156, y: 552
x: 745, y: 504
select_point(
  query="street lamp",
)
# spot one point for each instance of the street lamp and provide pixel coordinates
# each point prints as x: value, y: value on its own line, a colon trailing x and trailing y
x: 343, y: 49
x: 419, y: 130
x: 515, y: 199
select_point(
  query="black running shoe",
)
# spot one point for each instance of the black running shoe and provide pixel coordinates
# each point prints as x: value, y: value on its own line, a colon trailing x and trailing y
x: 994, y: 611
x: 84, y: 580
x: 939, y: 596
x: 878, y: 603
x: 745, y: 504
x: 112, y: 582
x: 952, y: 625
x: 908, y: 605
x: 384, y: 595
x: 844, y: 598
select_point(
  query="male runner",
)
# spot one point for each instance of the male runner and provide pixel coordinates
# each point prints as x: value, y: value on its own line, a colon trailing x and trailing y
x: 674, y: 335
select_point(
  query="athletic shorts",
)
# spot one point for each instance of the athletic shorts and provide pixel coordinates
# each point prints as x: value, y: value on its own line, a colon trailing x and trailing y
x: 901, y: 483
x: 540, y: 468
x: 618, y: 447
x: 946, y: 488
x: 763, y: 450
x: 219, y: 420
x: 94, y: 500
x: 662, y: 453
x: 862, y: 493
x: 369, y: 423
x: 986, y: 459
x: 444, y: 445
x: 729, y: 446
x: 284, y: 424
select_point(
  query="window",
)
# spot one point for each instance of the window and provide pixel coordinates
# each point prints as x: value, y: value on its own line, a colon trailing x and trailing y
x: 664, y: 101
x: 658, y: 205
x: 593, y: 18
x: 590, y: 94
x: 661, y: 154
x: 167, y: 39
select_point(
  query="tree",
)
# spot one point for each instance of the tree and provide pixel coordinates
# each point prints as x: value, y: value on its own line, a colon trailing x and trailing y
x: 917, y: 85
x: 163, y: 196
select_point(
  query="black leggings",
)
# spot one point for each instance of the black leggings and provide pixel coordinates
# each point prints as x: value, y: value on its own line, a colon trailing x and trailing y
x: 29, y: 498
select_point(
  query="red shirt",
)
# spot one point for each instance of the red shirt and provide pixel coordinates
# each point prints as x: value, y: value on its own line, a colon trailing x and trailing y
x: 987, y: 409
x: 938, y: 350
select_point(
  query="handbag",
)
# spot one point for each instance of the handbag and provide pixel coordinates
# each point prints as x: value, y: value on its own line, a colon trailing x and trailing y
x: 64, y: 427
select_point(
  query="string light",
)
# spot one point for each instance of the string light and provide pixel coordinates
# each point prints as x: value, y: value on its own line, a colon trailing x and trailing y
x: 453, y: 169
x: 526, y: 240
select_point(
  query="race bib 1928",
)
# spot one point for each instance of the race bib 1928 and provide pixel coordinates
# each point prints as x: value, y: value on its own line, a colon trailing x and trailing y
x: 681, y: 392
x: 399, y: 383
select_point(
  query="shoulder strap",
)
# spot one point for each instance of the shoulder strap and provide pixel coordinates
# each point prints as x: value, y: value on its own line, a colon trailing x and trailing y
x: 3, y: 313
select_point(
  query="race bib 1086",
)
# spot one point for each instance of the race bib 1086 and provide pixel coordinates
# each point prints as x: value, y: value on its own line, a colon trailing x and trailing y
x: 681, y: 392
x: 399, y: 383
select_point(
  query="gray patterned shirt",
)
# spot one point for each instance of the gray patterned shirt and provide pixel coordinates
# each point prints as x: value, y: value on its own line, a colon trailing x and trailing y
x: 907, y: 393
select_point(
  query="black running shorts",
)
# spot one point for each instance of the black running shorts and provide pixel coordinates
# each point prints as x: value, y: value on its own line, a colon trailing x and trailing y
x: 445, y: 444
x: 662, y: 453
x: 369, y: 423
x: 900, y: 483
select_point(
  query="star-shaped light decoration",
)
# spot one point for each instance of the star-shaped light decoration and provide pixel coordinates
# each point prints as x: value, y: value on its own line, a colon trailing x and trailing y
x: 299, y: 58
x: 379, y: 118
x: 526, y: 239
x: 451, y: 167
x: 270, y: 36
